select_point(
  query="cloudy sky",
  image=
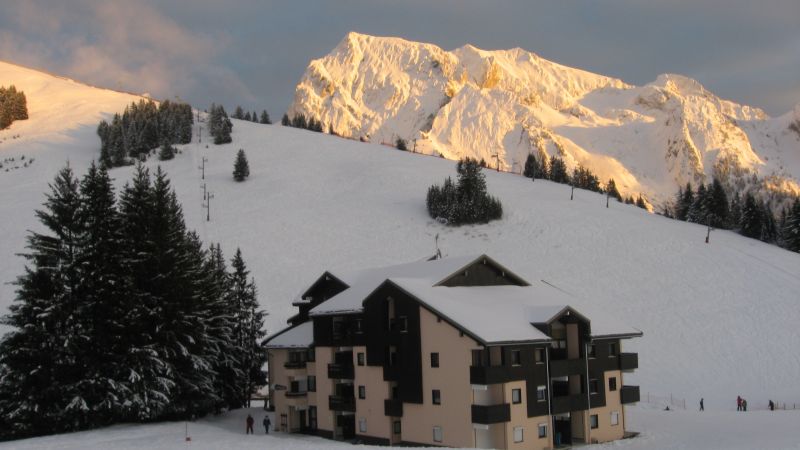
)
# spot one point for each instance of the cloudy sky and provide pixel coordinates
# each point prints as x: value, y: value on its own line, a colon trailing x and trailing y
x: 252, y: 52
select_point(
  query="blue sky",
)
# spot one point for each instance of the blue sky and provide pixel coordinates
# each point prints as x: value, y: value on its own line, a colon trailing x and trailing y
x: 254, y: 52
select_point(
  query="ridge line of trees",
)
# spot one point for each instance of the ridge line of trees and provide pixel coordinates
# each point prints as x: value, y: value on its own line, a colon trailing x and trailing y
x: 13, y: 106
x: 239, y: 114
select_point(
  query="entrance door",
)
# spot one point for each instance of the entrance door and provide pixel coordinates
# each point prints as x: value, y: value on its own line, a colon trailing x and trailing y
x: 303, y: 427
x: 562, y: 431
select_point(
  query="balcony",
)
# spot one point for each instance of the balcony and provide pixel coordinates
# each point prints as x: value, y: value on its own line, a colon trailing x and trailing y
x: 566, y: 367
x: 495, y: 374
x: 295, y: 364
x: 629, y: 394
x: 393, y: 408
x: 628, y: 361
x: 487, y: 415
x: 341, y: 371
x: 295, y: 394
x: 337, y: 403
x: 567, y: 403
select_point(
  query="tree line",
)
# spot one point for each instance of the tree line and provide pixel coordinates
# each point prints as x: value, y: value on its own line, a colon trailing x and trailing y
x: 142, y: 127
x: 301, y: 121
x: 239, y: 113
x: 465, y: 201
x: 710, y: 205
x: 122, y: 315
x: 13, y: 106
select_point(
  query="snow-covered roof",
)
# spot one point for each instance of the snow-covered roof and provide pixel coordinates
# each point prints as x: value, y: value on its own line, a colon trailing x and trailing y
x: 363, y: 282
x: 301, y: 336
x: 502, y: 314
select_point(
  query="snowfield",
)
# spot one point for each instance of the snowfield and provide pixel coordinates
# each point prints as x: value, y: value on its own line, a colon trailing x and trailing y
x: 719, y: 320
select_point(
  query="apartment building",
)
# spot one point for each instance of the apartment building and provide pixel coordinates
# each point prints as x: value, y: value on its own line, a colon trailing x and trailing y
x: 457, y: 352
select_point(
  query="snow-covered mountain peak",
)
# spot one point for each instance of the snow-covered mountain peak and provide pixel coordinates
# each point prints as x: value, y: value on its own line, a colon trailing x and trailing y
x: 501, y: 105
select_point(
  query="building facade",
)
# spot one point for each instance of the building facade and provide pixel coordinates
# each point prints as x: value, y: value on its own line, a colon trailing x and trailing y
x: 456, y: 352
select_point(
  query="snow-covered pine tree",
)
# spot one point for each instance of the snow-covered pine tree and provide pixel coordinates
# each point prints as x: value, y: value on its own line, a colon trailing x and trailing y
x: 791, y: 227
x: 166, y: 152
x: 248, y: 329
x: 265, y: 118
x: 241, y: 168
x: 39, y: 359
x: 238, y: 113
x: 750, y: 223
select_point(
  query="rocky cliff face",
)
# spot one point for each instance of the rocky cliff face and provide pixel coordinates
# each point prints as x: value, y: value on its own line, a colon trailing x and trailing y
x: 501, y: 105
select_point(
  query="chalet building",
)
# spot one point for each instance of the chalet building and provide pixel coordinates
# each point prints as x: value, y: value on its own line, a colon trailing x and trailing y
x: 457, y: 352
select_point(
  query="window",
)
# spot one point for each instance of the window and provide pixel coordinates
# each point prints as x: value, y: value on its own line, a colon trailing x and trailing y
x: 612, y: 349
x: 614, y: 417
x: 358, y: 326
x: 362, y: 392
x: 396, y: 427
x: 284, y: 422
x: 538, y: 355
x: 593, y: 386
x: 436, y: 397
x: 516, y: 396
x: 478, y: 358
x: 392, y: 356
x: 360, y: 358
x: 612, y: 384
x: 434, y: 359
x: 395, y: 393
x: 593, y: 421
x: 516, y: 358
x: 542, y: 430
x: 312, y: 354
x: 592, y: 351
x: 312, y: 417
x: 400, y: 324
x: 437, y: 434
x: 362, y: 425
x: 541, y: 393
x: 312, y: 383
x: 518, y: 434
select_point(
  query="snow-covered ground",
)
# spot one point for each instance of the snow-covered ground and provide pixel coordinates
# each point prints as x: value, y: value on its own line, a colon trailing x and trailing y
x: 664, y: 430
x: 719, y: 320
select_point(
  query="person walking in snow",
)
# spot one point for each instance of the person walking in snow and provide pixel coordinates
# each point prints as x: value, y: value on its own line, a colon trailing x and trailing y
x: 744, y: 405
x: 701, y: 405
x: 738, y: 402
x: 249, y: 422
x: 771, y: 406
x: 266, y: 423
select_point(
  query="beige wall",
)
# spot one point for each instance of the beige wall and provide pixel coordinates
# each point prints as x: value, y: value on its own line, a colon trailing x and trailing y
x: 605, y: 431
x: 519, y: 418
x: 371, y: 408
x: 324, y: 356
x: 454, y: 415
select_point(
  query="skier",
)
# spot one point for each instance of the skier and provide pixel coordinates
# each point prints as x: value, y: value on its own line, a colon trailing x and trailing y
x: 701, y: 405
x: 249, y: 424
x: 266, y: 423
x: 771, y: 406
x: 744, y: 405
x: 738, y: 402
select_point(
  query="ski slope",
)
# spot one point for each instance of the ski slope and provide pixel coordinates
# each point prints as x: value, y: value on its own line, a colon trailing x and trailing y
x: 719, y: 320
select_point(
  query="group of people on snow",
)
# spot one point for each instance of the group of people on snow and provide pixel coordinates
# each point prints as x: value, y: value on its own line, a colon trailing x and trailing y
x: 250, y: 421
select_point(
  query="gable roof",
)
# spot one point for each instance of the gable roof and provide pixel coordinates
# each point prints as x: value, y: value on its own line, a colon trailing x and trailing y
x: 363, y: 282
x: 301, y: 336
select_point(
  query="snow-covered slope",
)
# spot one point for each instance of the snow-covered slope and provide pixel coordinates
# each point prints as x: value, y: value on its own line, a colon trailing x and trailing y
x: 509, y: 103
x: 718, y: 319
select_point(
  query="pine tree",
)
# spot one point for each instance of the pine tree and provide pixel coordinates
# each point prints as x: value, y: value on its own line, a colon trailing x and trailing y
x: 39, y: 364
x: 751, y: 221
x: 265, y: 118
x: 530, y: 166
x: 558, y: 170
x: 717, y: 205
x: 248, y: 329
x: 247, y: 117
x: 285, y: 120
x: 684, y: 202
x: 698, y: 211
x: 769, y: 229
x: 167, y: 152
x: 400, y: 143
x: 640, y: 202
x: 735, y: 211
x: 241, y: 168
x: 238, y: 113
x: 791, y: 227
x: 254, y: 117
x: 611, y: 189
